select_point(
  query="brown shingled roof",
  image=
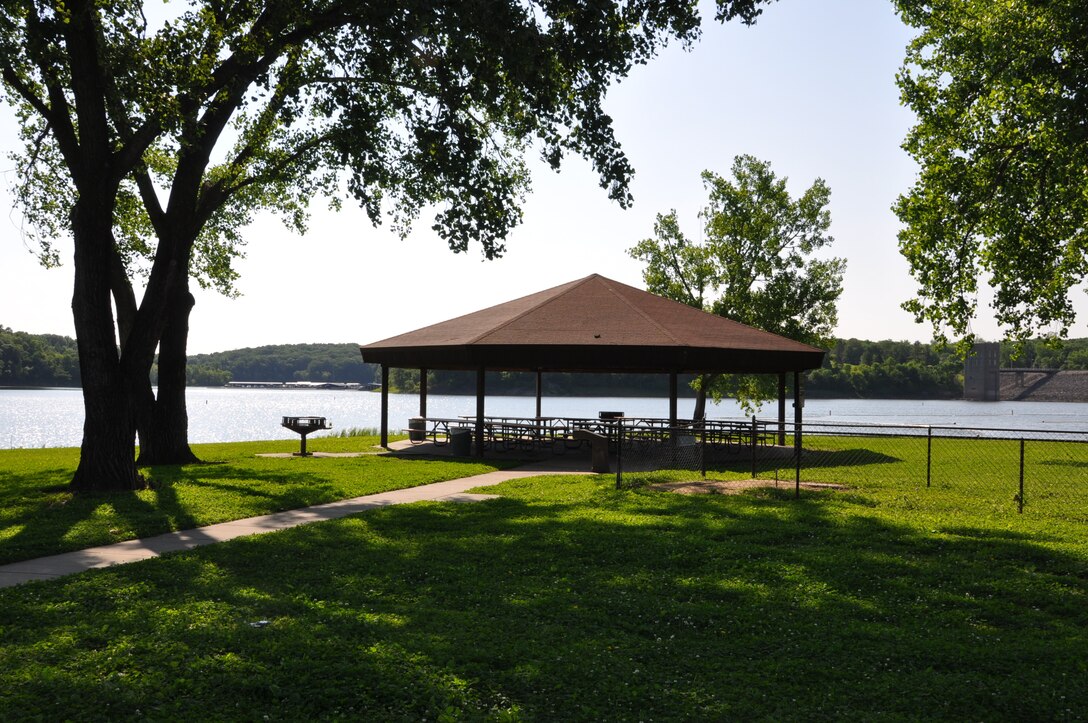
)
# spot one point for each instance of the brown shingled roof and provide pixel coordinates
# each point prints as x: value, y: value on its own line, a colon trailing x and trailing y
x: 594, y: 324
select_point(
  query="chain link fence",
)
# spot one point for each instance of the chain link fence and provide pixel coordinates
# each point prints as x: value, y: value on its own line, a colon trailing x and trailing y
x: 1023, y: 471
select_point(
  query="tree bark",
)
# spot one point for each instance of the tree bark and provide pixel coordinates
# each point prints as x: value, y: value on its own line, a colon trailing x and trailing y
x: 164, y: 422
x: 116, y: 385
x: 107, y: 459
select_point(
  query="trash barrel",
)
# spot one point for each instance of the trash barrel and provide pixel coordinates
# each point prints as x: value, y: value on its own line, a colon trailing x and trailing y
x: 461, y: 441
x: 417, y: 429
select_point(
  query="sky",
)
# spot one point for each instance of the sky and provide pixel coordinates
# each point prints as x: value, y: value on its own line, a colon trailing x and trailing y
x: 810, y: 88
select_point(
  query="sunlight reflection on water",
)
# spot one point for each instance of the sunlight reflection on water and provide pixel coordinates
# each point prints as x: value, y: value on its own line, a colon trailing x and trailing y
x: 54, y: 417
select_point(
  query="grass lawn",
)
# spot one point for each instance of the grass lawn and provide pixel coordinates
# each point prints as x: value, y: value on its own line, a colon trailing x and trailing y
x: 970, y: 474
x: 567, y: 599
x: 38, y: 516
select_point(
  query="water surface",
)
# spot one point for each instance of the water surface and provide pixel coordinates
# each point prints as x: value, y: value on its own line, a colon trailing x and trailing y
x: 54, y: 417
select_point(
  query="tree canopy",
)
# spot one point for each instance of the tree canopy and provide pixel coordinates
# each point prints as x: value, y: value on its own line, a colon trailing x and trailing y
x: 999, y: 92
x: 153, y: 140
x: 265, y: 104
x: 756, y: 264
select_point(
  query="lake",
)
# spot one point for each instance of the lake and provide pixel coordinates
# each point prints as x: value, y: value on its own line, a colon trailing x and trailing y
x: 54, y: 417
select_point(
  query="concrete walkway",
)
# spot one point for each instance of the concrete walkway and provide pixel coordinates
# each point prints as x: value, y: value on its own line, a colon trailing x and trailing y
x: 47, y: 568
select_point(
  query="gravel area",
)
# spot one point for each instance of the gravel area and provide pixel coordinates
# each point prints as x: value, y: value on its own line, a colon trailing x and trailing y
x: 735, y: 487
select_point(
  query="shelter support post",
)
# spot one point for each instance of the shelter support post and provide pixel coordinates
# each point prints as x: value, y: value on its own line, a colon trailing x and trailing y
x: 673, y: 417
x: 385, y: 407
x: 798, y: 405
x: 539, y: 392
x: 672, y: 400
x: 480, y: 412
x: 781, y: 408
x: 423, y: 392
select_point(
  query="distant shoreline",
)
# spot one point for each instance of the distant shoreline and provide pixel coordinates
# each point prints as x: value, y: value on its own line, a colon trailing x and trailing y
x: 1062, y: 387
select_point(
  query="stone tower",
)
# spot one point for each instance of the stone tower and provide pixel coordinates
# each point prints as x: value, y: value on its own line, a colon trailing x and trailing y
x: 981, y: 378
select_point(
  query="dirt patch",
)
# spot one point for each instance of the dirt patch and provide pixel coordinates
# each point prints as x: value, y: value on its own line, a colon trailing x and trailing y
x: 318, y: 455
x: 735, y: 487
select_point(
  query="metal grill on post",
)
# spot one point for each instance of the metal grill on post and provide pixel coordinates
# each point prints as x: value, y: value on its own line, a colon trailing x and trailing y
x: 303, y: 426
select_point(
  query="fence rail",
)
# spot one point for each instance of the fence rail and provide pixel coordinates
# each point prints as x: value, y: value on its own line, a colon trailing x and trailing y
x: 1023, y: 471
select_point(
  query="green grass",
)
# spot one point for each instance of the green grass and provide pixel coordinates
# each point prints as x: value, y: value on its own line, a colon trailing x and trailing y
x: 974, y: 475
x: 39, y: 516
x: 567, y: 599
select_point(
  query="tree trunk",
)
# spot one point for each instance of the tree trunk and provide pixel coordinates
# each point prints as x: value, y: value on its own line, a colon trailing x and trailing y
x: 164, y: 423
x: 114, y: 377
x: 107, y: 456
x: 116, y: 386
x: 107, y: 453
x: 705, y: 381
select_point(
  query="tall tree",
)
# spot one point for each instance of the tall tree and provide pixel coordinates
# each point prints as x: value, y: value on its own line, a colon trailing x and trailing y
x: 756, y: 264
x: 228, y: 108
x: 1000, y: 91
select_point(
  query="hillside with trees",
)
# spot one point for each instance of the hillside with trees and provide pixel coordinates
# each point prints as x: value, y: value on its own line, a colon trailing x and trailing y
x: 854, y: 368
x: 49, y: 360
x: 37, y: 360
x: 555, y: 384
x: 887, y: 370
x: 282, y: 363
x: 1071, y: 355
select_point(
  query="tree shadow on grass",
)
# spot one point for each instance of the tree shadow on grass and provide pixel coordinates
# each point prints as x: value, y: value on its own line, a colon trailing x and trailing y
x: 52, y: 520
x: 57, y: 521
x: 574, y: 602
x: 280, y: 490
x: 1074, y: 463
x: 44, y: 481
x: 845, y: 458
x: 812, y: 458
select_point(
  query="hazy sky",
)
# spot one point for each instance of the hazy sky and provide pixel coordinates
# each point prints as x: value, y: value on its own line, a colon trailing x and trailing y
x: 810, y: 88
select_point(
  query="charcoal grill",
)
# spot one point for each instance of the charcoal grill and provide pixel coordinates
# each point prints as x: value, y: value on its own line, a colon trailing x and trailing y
x: 303, y: 426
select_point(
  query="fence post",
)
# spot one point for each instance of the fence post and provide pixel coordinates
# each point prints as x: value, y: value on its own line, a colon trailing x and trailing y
x: 619, y: 452
x: 797, y: 458
x: 1020, y: 497
x: 702, y: 447
x: 929, y: 454
x: 753, y: 446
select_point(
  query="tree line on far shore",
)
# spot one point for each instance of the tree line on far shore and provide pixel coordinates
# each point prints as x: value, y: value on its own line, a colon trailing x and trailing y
x: 282, y: 363
x: 37, y: 360
x: 854, y: 368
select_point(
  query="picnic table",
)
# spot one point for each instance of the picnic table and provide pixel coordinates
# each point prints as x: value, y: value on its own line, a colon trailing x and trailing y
x: 558, y: 434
